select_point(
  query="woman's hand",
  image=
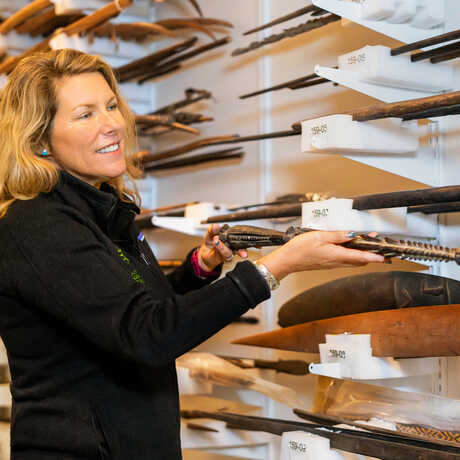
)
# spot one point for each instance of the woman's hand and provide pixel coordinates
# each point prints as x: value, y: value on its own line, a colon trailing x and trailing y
x: 213, y: 252
x: 315, y: 251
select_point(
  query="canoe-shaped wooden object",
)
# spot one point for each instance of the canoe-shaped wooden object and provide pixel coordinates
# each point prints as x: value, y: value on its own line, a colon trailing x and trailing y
x: 368, y: 292
x: 405, y: 333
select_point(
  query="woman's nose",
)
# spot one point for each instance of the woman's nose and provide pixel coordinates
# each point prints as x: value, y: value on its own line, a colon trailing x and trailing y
x: 110, y: 122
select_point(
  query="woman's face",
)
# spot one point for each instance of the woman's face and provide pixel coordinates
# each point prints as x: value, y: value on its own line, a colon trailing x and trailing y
x: 88, y: 129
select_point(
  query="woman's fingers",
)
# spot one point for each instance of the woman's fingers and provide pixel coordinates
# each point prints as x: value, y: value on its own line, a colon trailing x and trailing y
x: 356, y: 257
x: 225, y: 252
x: 243, y: 253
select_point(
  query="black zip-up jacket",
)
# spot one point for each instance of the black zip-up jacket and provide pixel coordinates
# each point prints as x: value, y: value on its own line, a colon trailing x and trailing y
x: 92, y: 327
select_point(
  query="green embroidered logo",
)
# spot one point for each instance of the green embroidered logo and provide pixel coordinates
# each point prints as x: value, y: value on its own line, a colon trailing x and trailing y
x: 135, y: 275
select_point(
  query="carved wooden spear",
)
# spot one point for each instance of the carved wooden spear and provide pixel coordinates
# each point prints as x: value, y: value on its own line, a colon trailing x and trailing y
x: 291, y: 32
x: 383, y: 446
x: 414, y: 332
x: 408, y: 431
x: 246, y: 236
x: 306, y: 10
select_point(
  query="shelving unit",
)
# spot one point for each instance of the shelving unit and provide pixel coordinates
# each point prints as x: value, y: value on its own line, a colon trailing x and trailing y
x: 277, y: 166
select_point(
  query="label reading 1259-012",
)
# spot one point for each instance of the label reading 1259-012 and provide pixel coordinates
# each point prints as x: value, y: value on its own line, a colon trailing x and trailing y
x: 299, y: 447
x: 318, y: 130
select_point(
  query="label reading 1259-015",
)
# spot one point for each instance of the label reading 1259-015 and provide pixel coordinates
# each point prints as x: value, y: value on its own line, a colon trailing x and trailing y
x: 317, y: 213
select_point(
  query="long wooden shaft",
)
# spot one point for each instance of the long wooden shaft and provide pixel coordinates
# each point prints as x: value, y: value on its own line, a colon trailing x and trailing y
x: 401, y: 109
x: 137, y: 67
x: 32, y: 25
x: 284, y: 210
x: 195, y: 160
x: 383, y: 446
x: 422, y: 55
x: 407, y: 198
x: 219, y: 140
x: 146, y: 156
x: 308, y: 84
x: 445, y: 57
x: 430, y: 196
x: 414, y: 332
x: 23, y: 14
x: 438, y: 208
x: 176, y: 23
x: 443, y: 38
x: 287, y: 17
x: 101, y: 15
x: 328, y: 420
x: 286, y: 84
x: 191, y: 96
x: 186, y: 56
x: 434, y: 112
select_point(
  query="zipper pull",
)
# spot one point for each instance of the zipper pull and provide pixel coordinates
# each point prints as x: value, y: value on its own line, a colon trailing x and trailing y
x: 144, y: 258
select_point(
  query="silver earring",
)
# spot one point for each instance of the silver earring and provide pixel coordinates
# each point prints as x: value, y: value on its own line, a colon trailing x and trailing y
x: 44, y: 153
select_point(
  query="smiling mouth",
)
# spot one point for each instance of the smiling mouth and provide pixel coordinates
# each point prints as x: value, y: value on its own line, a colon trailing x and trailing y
x: 109, y: 148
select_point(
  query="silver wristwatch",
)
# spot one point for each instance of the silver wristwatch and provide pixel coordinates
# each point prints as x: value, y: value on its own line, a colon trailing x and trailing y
x: 272, y: 282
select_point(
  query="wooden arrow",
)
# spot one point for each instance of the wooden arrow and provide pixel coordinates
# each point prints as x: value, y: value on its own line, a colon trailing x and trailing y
x: 406, y: 333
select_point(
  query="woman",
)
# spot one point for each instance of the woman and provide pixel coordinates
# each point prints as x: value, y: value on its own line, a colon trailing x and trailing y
x: 91, y: 324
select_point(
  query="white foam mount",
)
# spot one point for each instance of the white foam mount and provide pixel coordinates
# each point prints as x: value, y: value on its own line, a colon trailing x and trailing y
x: 349, y: 356
x: 340, y: 134
x: 299, y: 445
x: 191, y: 386
x: 423, y: 14
x: 338, y: 214
x: 375, y: 64
x: 191, y: 224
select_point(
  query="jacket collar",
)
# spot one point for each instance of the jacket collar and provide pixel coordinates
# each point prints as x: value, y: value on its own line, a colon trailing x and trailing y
x: 102, y: 205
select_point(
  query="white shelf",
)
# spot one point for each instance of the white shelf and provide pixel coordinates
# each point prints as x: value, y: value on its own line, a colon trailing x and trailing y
x: 353, y: 81
x: 402, y: 32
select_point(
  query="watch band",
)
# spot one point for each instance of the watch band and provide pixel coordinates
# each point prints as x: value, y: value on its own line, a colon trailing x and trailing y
x: 272, y: 282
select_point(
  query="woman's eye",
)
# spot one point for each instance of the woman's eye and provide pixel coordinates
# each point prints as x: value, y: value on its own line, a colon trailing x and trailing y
x: 84, y: 116
x: 113, y: 106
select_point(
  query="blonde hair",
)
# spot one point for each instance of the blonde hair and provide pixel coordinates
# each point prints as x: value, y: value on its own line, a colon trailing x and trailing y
x: 28, y: 105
